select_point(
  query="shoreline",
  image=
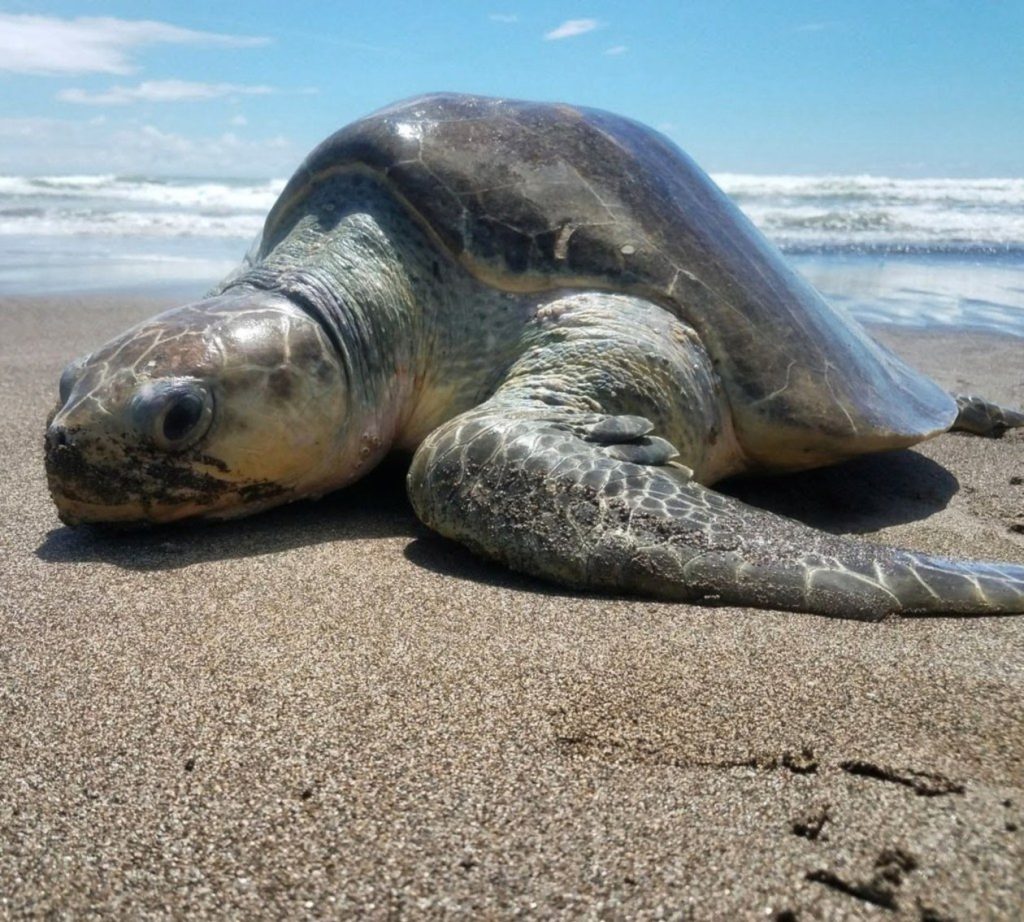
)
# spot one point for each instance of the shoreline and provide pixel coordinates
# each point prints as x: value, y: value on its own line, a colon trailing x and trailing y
x: 325, y: 709
x: 961, y: 290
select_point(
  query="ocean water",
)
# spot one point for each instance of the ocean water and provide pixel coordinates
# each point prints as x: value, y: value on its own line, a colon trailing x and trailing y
x: 909, y: 251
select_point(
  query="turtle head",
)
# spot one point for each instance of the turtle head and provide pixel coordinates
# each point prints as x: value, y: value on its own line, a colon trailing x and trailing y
x: 218, y: 408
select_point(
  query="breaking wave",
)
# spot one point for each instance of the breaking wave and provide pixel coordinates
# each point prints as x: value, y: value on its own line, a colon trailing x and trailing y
x: 130, y: 206
x: 908, y: 251
x: 800, y: 213
x: 874, y: 213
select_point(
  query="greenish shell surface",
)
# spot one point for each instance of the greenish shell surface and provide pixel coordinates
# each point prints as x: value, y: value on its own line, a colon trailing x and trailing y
x: 535, y: 197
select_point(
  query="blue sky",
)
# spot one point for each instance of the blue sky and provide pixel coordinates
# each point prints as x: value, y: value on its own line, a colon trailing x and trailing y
x: 907, y: 89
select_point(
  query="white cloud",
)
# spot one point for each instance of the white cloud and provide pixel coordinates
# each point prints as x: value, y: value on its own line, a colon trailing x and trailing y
x: 571, y: 27
x: 161, y: 91
x: 503, y: 17
x: 616, y: 50
x: 239, y: 121
x: 31, y: 44
x: 52, y: 146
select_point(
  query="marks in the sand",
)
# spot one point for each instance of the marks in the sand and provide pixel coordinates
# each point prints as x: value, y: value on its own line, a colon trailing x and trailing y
x: 878, y: 882
x: 643, y: 751
x: 1017, y: 527
x: 1009, y: 825
x: 811, y: 825
x: 799, y: 762
x: 880, y: 888
x: 802, y: 763
x: 881, y: 885
x: 924, y: 784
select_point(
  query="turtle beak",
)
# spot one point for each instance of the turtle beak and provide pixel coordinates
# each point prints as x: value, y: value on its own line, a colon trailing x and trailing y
x: 83, y: 491
x: 66, y: 474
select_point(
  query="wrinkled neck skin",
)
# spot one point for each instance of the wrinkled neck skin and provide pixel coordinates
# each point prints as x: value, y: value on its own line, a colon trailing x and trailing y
x: 418, y: 338
x: 353, y: 287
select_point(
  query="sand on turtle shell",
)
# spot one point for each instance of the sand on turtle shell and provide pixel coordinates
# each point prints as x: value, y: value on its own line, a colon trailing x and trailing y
x: 326, y: 710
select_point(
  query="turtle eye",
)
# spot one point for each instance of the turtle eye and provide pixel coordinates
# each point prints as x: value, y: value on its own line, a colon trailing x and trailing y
x: 175, y: 414
x: 182, y: 416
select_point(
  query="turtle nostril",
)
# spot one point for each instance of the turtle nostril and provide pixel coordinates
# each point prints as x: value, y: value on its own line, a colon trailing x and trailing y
x: 56, y: 437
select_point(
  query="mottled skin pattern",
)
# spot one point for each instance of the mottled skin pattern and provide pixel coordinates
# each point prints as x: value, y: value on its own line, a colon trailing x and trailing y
x: 275, y: 388
x: 574, y: 331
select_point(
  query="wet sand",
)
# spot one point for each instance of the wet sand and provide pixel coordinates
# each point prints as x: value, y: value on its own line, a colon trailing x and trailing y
x: 326, y: 710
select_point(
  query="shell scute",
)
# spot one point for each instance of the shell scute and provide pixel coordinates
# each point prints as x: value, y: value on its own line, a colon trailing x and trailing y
x: 534, y: 197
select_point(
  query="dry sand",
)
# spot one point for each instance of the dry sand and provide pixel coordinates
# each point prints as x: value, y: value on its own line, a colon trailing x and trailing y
x: 325, y: 710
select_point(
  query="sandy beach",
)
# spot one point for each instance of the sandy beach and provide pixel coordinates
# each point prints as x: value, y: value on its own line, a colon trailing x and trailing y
x: 326, y: 710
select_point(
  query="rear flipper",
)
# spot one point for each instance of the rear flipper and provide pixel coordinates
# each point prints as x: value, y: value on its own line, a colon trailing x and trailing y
x: 980, y: 417
x: 530, y: 486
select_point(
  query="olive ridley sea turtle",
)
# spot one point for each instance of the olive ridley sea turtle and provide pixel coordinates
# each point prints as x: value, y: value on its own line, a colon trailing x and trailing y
x: 574, y: 330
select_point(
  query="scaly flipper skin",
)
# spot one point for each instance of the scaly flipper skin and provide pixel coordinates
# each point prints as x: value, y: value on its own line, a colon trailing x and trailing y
x: 562, y: 474
x: 979, y: 416
x: 523, y: 486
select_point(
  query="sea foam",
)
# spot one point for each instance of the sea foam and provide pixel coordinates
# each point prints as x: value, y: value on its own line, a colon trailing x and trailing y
x: 936, y: 251
x: 799, y: 213
x: 873, y: 213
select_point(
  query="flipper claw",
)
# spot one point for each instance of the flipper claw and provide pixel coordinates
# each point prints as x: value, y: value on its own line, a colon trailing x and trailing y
x: 612, y: 430
x: 649, y: 450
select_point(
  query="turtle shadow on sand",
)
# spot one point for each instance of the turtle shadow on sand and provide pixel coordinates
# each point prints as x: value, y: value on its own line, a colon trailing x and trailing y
x: 854, y: 498
x: 857, y: 497
x: 376, y: 507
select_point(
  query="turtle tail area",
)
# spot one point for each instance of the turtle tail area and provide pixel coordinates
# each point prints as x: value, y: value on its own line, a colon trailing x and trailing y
x: 532, y: 489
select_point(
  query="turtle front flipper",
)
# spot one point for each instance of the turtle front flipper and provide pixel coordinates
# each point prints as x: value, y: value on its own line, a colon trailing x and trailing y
x: 527, y: 487
x: 979, y: 416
